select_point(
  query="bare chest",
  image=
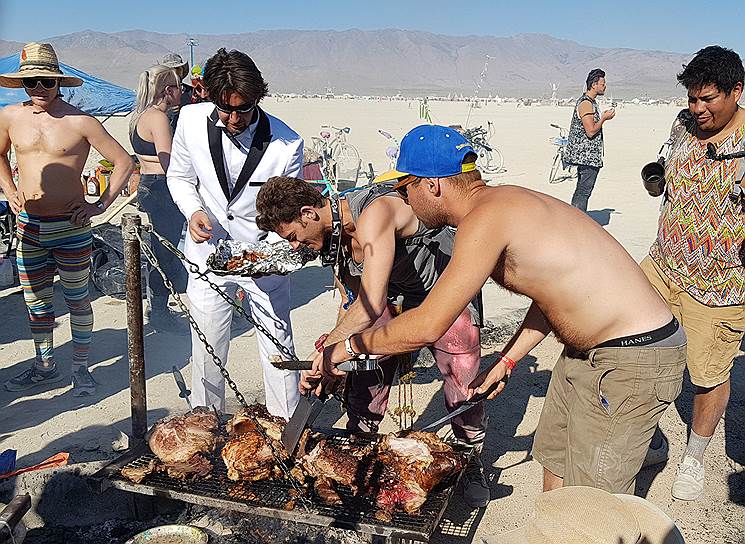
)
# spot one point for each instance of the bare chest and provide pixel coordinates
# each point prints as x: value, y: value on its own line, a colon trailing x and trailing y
x: 40, y: 134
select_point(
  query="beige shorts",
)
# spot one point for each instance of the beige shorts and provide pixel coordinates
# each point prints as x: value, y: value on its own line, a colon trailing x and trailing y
x: 601, y: 411
x: 714, y: 332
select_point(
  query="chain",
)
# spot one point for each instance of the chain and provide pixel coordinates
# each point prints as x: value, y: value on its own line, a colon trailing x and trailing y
x: 153, y: 260
x: 202, y: 275
x: 194, y: 269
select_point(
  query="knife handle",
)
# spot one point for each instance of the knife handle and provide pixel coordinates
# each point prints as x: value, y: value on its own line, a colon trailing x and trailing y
x: 482, y: 396
x: 184, y: 393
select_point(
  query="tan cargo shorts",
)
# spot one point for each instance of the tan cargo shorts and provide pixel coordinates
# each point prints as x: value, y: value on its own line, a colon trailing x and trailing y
x: 601, y: 411
x: 714, y: 333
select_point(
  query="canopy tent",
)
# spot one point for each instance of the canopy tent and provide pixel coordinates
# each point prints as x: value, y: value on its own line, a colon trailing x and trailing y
x: 95, y: 96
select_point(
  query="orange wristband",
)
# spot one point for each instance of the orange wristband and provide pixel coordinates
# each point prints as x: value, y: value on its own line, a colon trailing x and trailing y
x: 509, y: 363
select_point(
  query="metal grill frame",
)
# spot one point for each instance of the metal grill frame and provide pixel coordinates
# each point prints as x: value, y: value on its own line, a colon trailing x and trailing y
x: 356, y: 514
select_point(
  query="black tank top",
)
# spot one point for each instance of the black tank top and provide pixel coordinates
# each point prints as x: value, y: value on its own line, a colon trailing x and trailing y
x: 142, y: 147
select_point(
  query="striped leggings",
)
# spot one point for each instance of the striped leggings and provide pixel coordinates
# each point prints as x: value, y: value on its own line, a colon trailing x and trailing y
x: 47, y: 244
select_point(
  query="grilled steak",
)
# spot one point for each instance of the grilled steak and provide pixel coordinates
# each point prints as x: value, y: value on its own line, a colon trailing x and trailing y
x: 248, y: 455
x: 181, y: 442
x: 397, y: 472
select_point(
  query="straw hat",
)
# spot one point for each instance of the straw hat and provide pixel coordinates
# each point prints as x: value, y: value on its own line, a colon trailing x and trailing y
x: 585, y: 515
x: 38, y: 60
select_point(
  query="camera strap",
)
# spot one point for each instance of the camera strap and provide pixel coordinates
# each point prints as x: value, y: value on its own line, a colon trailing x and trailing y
x: 330, y: 255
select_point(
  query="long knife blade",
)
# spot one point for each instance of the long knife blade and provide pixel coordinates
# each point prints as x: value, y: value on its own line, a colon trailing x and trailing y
x: 292, y: 365
x: 476, y: 399
x: 306, y: 412
x: 184, y: 392
x: 353, y: 365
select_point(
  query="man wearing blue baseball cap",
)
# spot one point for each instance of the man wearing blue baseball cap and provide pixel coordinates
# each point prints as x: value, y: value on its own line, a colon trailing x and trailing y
x: 625, y: 353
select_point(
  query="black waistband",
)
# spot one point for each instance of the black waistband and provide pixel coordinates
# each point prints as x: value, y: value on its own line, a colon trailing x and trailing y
x: 643, y: 339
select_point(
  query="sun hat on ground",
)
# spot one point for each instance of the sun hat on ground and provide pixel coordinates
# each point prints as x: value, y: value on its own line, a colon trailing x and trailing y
x: 431, y: 151
x: 585, y: 515
x: 38, y: 60
x: 174, y: 60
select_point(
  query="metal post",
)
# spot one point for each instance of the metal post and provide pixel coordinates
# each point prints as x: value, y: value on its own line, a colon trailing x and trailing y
x: 131, y: 226
x: 192, y: 43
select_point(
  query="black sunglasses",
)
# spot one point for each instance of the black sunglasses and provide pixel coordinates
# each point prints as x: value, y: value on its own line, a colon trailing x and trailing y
x: 241, y: 110
x: 31, y: 83
x: 403, y: 190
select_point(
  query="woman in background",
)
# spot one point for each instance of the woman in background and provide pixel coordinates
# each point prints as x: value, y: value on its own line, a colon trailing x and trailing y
x: 159, y: 90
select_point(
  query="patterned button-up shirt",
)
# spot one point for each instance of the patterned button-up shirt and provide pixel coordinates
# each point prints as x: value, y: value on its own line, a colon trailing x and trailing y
x: 700, y: 238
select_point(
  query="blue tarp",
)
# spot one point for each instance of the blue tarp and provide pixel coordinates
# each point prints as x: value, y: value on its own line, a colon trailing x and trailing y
x: 95, y: 96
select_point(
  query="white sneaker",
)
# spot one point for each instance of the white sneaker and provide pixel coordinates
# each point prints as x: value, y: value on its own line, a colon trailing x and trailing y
x: 656, y: 456
x: 689, y: 480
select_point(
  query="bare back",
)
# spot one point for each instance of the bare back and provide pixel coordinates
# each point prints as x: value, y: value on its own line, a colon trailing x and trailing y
x: 585, y: 283
x: 51, y: 151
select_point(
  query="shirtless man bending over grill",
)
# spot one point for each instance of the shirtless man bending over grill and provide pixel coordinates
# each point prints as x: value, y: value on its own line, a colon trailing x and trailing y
x: 624, y: 352
x: 382, y: 254
x: 52, y: 140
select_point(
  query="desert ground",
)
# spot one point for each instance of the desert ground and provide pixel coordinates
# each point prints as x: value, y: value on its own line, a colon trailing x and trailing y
x: 42, y: 423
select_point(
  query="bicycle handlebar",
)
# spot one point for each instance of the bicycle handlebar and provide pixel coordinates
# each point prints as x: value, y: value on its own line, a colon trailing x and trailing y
x: 345, y: 130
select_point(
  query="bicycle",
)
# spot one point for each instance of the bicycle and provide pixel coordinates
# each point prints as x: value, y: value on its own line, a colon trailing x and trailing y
x: 490, y: 159
x: 341, y: 160
x: 560, y: 170
x: 392, y: 151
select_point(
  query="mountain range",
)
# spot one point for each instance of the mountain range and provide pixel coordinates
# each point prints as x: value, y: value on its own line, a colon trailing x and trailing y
x: 388, y: 61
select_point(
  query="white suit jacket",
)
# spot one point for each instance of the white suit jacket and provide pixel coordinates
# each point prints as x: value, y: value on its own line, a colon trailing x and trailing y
x: 198, y: 176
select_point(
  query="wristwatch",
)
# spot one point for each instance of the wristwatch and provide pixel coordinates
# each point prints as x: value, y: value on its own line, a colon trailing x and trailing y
x: 350, y: 350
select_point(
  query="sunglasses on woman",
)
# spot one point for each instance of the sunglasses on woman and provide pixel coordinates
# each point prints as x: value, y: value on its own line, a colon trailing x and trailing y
x: 31, y: 83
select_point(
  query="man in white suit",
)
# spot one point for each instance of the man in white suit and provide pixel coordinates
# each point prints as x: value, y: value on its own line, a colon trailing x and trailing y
x: 223, y: 151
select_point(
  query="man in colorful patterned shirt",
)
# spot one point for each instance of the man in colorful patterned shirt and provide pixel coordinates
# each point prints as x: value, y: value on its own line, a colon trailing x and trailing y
x: 696, y: 263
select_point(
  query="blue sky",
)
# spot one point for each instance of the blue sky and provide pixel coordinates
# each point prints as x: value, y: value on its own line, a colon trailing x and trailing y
x: 681, y: 26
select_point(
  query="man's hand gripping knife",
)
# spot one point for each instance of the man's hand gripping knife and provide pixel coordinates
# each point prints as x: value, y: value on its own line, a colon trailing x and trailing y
x: 500, y: 371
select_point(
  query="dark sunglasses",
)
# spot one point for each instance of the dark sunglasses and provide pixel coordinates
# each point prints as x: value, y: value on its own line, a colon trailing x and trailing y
x: 240, y: 110
x: 403, y: 190
x: 31, y: 83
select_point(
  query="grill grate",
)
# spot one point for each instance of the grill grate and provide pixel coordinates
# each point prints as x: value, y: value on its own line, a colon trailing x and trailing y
x: 271, y: 497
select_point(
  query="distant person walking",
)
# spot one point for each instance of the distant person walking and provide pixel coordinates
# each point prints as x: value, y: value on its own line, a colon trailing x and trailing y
x: 52, y: 140
x: 585, y: 149
x: 158, y: 91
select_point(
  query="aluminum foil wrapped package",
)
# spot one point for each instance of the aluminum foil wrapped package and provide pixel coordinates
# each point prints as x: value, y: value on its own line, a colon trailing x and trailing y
x: 236, y: 258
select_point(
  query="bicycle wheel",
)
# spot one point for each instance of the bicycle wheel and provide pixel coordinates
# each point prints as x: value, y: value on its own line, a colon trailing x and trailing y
x: 492, y: 161
x: 553, y: 175
x: 347, y: 160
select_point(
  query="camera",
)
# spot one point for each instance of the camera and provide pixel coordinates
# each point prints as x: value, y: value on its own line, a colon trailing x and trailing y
x: 653, y: 177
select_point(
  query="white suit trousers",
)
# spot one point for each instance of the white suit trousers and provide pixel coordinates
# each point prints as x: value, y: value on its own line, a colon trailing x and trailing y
x: 269, y: 300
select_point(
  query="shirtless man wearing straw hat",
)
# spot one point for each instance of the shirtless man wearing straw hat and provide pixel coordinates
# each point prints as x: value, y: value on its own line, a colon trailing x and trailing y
x: 625, y: 353
x: 52, y: 140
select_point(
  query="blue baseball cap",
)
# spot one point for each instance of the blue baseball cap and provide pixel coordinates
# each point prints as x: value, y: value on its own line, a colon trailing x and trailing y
x: 431, y: 151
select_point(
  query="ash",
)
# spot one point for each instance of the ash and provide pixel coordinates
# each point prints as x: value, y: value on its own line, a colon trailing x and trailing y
x: 227, y: 527
x: 108, y: 532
